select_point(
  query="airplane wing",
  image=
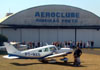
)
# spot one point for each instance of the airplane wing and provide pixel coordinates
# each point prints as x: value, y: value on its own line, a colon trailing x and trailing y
x: 10, y: 57
x: 56, y: 55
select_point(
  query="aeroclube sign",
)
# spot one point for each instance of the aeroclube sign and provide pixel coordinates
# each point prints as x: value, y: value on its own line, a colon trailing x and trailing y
x: 57, y: 17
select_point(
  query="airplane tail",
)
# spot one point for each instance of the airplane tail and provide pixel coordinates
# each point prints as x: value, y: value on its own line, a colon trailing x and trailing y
x: 10, y: 48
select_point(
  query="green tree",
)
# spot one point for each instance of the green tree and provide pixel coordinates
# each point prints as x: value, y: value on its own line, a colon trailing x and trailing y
x: 3, y: 39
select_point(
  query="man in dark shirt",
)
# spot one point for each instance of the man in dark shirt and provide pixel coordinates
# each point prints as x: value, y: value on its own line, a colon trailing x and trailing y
x: 77, y: 55
x: 92, y: 44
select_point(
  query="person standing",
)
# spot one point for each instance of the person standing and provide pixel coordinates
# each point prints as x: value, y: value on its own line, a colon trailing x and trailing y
x: 77, y: 54
x: 92, y: 44
x: 88, y: 44
x: 81, y: 44
x: 84, y: 45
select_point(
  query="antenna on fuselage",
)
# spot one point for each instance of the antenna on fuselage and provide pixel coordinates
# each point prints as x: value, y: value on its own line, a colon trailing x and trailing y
x: 46, y: 44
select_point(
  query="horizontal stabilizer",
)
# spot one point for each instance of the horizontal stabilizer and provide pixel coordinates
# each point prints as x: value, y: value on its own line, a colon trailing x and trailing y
x: 10, y: 57
x: 2, y: 47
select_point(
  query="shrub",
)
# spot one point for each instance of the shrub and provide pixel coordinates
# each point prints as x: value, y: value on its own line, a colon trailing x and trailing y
x: 3, y: 39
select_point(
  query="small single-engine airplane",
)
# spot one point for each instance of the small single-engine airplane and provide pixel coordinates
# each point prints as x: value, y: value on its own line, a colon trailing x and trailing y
x: 41, y: 53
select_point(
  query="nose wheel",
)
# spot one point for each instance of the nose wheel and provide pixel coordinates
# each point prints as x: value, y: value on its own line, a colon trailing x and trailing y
x: 65, y: 60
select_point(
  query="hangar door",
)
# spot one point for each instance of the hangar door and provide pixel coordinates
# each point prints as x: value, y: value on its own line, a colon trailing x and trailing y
x: 12, y: 34
x: 89, y: 35
x: 30, y: 35
x: 53, y: 35
x: 42, y: 35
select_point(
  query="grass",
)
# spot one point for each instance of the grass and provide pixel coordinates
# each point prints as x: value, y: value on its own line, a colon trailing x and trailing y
x: 89, y: 62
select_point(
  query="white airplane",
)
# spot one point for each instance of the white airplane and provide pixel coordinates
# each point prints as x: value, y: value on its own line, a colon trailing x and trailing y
x: 42, y: 53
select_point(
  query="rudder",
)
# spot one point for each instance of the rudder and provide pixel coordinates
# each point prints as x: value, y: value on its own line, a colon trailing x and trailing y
x: 10, y: 48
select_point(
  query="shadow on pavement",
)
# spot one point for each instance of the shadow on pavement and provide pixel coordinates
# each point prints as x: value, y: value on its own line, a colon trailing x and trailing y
x: 57, y: 63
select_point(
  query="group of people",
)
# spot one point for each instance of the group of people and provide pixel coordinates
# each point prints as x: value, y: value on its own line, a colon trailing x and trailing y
x: 88, y: 44
x: 33, y: 44
x: 70, y: 44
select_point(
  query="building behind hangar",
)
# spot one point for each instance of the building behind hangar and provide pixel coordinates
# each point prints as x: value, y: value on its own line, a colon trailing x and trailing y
x: 51, y: 23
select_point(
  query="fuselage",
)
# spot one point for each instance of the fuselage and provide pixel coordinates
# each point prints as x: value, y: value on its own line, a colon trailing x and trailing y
x: 41, y: 52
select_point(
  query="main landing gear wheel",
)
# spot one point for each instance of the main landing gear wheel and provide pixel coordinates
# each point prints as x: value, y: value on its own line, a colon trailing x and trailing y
x: 43, y: 60
x: 48, y: 61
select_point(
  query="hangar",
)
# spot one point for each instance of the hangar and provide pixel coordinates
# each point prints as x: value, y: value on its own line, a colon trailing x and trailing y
x: 49, y: 23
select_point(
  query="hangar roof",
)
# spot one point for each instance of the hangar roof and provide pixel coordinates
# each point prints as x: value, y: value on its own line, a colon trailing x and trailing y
x: 52, y: 15
x: 3, y: 19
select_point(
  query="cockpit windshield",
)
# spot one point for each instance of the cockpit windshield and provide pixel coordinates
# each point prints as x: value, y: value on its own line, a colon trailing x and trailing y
x: 53, y: 49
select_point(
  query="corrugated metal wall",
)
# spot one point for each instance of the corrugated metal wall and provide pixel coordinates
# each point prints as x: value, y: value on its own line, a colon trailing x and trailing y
x: 52, y: 35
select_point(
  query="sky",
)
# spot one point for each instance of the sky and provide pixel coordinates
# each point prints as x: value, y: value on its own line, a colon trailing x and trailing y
x: 14, y: 6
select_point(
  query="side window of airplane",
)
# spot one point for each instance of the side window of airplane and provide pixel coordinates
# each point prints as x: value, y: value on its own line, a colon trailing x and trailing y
x: 52, y: 49
x: 40, y: 51
x: 46, y: 50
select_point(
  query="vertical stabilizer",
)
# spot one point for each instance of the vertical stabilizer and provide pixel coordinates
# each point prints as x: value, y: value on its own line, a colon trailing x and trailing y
x: 10, y: 48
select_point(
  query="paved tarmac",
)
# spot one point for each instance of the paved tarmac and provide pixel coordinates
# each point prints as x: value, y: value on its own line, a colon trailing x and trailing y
x: 91, y: 51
